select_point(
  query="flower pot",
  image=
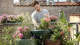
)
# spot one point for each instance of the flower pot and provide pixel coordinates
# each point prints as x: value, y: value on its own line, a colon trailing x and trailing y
x: 50, y: 42
x: 27, y: 42
x: 42, y: 34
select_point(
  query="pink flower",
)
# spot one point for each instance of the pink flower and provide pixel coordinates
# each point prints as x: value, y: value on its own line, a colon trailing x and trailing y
x: 48, y: 26
x: 52, y: 27
x: 14, y: 36
x: 69, y: 29
x: 46, y: 15
x: 19, y: 28
x: 25, y: 28
x: 20, y: 35
x: 22, y: 30
x: 4, y: 15
x: 52, y: 17
x: 44, y: 18
x: 8, y: 19
x: 47, y: 20
x: 61, y: 32
x: 17, y: 32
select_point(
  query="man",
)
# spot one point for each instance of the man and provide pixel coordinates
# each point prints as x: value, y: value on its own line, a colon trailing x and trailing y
x: 38, y: 14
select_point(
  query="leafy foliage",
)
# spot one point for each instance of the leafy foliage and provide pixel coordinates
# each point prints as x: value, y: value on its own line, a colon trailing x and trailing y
x: 62, y: 31
x: 7, y: 38
x: 44, y: 24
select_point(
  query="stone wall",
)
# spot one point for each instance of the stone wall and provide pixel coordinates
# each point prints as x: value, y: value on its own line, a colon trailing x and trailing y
x: 7, y: 7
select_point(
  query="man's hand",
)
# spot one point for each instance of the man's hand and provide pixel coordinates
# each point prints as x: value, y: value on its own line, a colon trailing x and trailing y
x: 36, y: 24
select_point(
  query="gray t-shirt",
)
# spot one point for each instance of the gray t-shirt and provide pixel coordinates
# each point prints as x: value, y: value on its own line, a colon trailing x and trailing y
x: 39, y: 15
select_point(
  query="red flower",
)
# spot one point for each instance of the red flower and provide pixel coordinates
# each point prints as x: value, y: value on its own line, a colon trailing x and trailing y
x: 61, y: 32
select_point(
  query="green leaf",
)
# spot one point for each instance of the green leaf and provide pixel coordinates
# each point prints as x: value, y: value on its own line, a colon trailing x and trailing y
x: 62, y: 17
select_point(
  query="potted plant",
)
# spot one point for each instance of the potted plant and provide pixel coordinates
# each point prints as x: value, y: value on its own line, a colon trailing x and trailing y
x: 23, y: 37
x: 43, y: 29
x: 61, y: 33
x: 11, y: 18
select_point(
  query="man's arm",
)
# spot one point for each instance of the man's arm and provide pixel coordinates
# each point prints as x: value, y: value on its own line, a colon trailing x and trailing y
x: 35, y: 23
x: 34, y: 20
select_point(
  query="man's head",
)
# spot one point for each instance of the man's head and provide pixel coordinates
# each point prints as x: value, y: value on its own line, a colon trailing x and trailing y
x: 36, y: 5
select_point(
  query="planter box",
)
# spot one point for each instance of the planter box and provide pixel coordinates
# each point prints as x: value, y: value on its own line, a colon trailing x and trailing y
x: 27, y: 42
x: 11, y: 23
x: 50, y: 42
x: 42, y: 34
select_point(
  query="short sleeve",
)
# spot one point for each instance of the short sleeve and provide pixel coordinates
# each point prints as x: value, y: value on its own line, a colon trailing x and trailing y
x: 33, y: 17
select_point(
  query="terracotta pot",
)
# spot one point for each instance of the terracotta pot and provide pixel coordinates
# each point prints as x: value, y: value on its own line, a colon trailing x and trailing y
x: 50, y: 42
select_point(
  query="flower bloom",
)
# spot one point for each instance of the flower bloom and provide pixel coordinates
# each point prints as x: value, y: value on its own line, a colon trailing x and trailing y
x: 52, y: 17
x: 20, y: 35
x: 46, y: 15
x: 69, y: 29
x: 47, y: 19
x: 17, y: 32
x: 61, y: 32
x: 14, y: 36
x: 26, y: 28
x: 19, y: 28
x: 52, y: 27
x: 44, y: 18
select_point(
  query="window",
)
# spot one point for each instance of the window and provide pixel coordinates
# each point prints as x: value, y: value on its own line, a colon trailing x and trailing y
x: 42, y: 2
x: 16, y: 2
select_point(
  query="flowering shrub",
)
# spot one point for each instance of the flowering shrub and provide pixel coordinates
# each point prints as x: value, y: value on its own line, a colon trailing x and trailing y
x: 22, y: 33
x: 6, y: 38
x: 53, y: 18
x: 61, y: 31
x: 11, y: 18
x: 45, y: 23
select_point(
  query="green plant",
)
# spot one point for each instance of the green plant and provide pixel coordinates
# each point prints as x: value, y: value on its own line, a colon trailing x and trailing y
x: 19, y: 18
x: 62, y: 31
x: 7, y: 38
x: 45, y: 23
x: 27, y: 22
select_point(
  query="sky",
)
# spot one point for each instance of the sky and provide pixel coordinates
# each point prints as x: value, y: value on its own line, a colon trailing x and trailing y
x: 54, y: 0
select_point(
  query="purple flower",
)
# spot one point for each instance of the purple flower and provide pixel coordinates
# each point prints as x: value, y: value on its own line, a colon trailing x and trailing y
x: 23, y: 38
x: 32, y: 36
x: 37, y: 36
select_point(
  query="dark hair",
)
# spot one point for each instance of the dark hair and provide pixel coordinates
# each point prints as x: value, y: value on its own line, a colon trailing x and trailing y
x: 34, y: 3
